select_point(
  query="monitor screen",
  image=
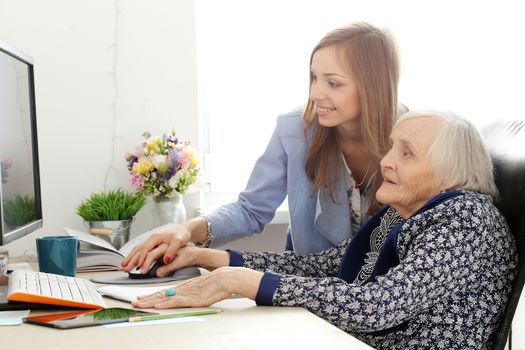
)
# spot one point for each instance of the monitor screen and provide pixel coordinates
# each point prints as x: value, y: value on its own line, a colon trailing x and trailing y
x: 20, y: 202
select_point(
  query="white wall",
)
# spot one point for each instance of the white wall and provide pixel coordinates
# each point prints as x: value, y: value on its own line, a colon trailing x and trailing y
x: 106, y: 71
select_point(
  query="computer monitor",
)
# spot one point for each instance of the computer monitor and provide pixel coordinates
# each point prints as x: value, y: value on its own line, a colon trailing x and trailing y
x: 20, y: 199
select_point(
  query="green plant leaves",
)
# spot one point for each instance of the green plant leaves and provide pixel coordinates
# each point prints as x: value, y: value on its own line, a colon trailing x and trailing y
x: 112, y: 205
x: 19, y: 210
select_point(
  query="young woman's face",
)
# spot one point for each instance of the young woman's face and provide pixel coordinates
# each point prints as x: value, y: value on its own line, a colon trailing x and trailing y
x: 333, y: 90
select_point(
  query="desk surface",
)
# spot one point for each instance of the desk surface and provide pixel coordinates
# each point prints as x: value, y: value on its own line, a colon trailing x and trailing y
x: 241, y: 325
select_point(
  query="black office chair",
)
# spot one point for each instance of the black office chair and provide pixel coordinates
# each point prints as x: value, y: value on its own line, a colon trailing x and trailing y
x: 506, y: 142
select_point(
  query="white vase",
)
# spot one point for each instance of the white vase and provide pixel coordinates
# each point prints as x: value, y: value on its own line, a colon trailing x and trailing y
x: 170, y: 210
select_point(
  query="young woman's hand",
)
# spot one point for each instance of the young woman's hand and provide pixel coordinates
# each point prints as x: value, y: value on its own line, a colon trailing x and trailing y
x: 155, y: 247
x: 165, y: 245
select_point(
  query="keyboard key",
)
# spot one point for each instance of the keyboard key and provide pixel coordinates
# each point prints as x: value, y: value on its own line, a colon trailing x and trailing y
x: 45, y: 289
x: 64, y: 290
x: 76, y: 294
x: 31, y: 283
x: 55, y: 288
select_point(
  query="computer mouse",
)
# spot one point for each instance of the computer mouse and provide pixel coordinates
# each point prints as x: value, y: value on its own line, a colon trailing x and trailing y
x: 152, y: 272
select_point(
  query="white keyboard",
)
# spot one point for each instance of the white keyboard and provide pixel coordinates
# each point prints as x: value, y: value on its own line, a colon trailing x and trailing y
x: 47, y: 288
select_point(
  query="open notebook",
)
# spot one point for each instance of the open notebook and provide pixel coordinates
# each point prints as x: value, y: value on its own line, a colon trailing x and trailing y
x: 97, y: 254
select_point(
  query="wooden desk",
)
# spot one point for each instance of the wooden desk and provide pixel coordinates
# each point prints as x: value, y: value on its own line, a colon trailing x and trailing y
x: 241, y: 325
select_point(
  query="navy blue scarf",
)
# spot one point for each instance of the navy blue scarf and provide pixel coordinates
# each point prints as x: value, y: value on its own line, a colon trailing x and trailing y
x: 363, y: 255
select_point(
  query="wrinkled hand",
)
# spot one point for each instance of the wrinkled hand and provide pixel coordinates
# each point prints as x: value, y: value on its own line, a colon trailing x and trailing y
x: 190, y: 255
x: 164, y: 244
x: 196, y: 292
x: 206, y: 290
x: 186, y: 256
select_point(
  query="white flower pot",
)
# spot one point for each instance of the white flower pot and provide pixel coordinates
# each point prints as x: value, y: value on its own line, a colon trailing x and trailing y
x: 170, y: 209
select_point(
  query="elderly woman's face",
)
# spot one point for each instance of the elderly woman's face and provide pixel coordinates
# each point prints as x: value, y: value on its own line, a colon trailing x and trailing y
x: 407, y: 170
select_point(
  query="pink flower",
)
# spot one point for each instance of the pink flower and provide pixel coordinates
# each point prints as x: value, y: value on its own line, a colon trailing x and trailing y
x: 137, y: 181
x: 184, y: 160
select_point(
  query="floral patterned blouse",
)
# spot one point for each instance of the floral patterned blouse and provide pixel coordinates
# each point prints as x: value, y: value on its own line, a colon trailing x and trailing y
x: 456, y: 266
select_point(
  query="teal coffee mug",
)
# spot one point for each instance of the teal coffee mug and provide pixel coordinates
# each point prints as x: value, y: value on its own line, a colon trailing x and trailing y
x: 58, y: 254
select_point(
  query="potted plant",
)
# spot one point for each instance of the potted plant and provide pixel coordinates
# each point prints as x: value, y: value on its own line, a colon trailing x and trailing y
x: 109, y: 214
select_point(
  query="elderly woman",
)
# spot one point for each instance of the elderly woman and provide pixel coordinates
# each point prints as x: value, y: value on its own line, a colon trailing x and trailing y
x: 432, y: 269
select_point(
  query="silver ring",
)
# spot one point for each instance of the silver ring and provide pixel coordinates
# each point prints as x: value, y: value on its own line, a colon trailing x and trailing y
x: 170, y: 292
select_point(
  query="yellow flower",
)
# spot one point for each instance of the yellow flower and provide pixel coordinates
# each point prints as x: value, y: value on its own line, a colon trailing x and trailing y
x: 143, y: 166
x: 194, y: 159
x: 153, y: 145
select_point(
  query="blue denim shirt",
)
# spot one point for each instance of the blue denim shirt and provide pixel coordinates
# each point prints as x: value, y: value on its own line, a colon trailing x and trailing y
x: 316, y: 222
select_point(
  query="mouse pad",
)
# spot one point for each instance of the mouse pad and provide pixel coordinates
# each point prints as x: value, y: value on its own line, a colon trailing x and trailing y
x: 121, y: 277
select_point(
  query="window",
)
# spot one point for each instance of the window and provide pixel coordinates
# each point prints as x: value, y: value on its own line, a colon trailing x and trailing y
x: 253, y: 65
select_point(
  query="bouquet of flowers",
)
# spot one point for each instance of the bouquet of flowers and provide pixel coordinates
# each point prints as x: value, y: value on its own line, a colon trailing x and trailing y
x: 162, y: 165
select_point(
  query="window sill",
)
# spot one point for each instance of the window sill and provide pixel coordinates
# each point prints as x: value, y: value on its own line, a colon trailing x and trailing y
x: 213, y: 200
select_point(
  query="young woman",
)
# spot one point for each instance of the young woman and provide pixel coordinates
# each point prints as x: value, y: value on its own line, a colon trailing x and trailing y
x: 324, y: 157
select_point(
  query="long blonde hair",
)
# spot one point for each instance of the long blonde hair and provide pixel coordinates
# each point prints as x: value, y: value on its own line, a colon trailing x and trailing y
x: 371, y: 55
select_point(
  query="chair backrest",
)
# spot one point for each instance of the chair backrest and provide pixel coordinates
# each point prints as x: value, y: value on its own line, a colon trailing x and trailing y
x: 506, y: 142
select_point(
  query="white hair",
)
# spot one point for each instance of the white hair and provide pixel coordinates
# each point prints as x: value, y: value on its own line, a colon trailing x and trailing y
x: 458, y: 153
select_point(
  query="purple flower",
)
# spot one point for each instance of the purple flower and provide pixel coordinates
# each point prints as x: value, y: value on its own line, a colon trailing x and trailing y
x: 173, y: 159
x: 132, y: 159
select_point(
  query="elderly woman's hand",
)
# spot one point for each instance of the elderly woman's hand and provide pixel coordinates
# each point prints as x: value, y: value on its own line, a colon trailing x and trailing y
x: 189, y: 255
x: 205, y: 290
